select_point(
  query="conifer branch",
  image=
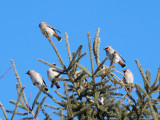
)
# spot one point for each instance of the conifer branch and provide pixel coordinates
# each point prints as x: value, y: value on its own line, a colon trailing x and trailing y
x: 49, y: 64
x: 19, y: 82
x: 99, y: 67
x: 3, y: 110
x: 143, y: 76
x: 62, y: 115
x: 36, y: 98
x: 61, y: 79
x: 28, y: 118
x: 150, y: 104
x: 17, y: 88
x: 53, y: 107
x: 16, y: 74
x: 90, y: 52
x: 122, y: 100
x: 157, y: 78
x: 96, y: 47
x: 48, y: 117
x: 39, y: 106
x: 56, y: 101
x: 44, y: 112
x: 19, y: 97
x: 18, y: 113
x: 84, y: 69
x: 142, y: 110
x: 74, y: 57
x: 69, y: 109
x: 67, y: 44
x: 98, y: 43
x: 55, y: 49
x: 60, y: 94
x: 19, y: 105
x: 76, y: 61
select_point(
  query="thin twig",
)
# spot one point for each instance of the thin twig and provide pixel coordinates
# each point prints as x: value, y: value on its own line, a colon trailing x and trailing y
x: 6, y: 72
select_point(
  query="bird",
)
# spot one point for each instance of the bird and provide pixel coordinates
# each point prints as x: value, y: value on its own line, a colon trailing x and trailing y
x: 49, y: 31
x: 37, y: 80
x: 52, y: 73
x: 128, y: 78
x: 118, y: 59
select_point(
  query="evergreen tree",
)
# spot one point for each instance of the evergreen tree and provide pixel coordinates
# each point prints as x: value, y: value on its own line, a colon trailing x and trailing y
x: 91, y: 95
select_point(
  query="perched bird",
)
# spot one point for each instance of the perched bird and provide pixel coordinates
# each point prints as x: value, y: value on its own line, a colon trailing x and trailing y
x: 51, y: 74
x: 49, y: 31
x: 37, y: 80
x: 118, y: 59
x: 128, y: 78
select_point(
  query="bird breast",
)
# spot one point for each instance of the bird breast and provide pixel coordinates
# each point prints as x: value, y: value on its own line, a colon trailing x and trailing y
x: 129, y: 78
x: 51, y: 74
x: 49, y: 31
x: 38, y: 79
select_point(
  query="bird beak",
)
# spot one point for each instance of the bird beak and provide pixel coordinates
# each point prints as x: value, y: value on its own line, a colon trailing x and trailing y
x: 27, y: 72
x: 104, y: 48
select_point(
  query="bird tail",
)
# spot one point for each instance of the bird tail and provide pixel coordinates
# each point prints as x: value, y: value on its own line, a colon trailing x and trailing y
x: 58, y: 37
x: 46, y: 89
x: 122, y: 64
x: 57, y: 85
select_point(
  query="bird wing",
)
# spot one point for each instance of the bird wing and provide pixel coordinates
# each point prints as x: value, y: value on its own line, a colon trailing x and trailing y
x: 44, y: 83
x: 55, y: 70
x: 121, y: 58
x: 42, y: 79
x: 53, y: 28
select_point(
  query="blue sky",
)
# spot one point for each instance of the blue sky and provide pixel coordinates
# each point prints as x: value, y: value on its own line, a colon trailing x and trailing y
x: 130, y: 27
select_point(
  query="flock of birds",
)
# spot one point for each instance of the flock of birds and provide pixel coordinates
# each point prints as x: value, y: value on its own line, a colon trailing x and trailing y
x: 53, y: 73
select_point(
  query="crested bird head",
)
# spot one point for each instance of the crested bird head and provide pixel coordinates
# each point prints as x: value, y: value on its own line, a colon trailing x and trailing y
x: 42, y: 23
x: 107, y: 48
x: 30, y: 71
x: 54, y: 64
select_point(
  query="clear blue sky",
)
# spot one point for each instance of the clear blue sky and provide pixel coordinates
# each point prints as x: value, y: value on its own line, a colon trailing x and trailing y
x: 130, y: 27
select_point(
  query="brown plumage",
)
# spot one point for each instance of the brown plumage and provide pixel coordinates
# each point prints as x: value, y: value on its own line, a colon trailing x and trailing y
x: 121, y: 63
x: 57, y: 85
